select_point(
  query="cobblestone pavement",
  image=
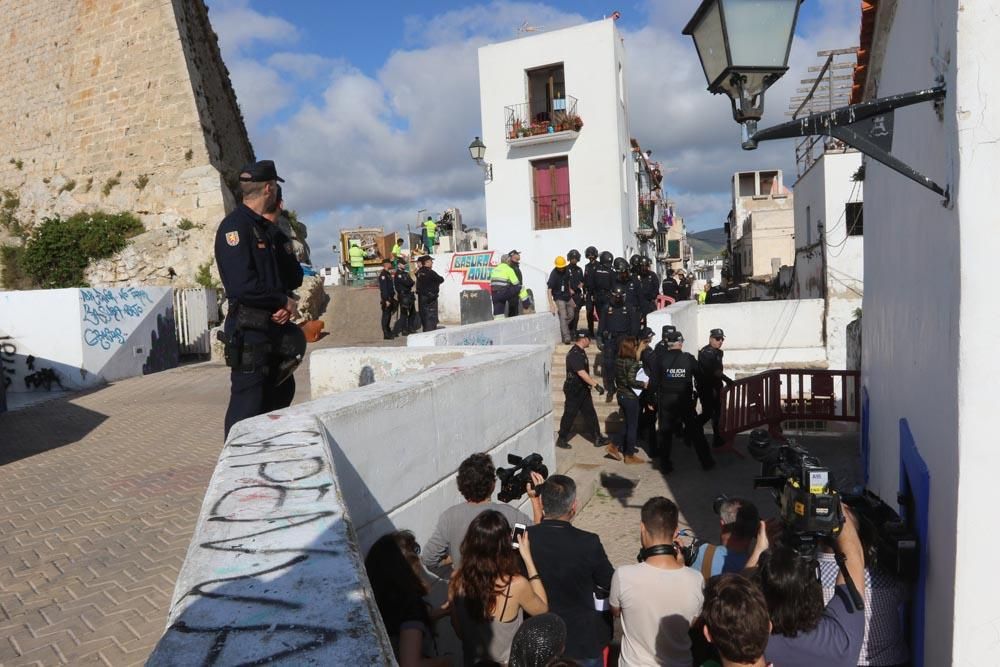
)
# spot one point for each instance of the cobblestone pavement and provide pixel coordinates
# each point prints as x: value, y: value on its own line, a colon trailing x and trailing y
x: 99, y: 493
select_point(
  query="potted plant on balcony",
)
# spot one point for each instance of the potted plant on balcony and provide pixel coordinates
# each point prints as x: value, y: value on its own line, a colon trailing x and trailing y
x: 576, y: 123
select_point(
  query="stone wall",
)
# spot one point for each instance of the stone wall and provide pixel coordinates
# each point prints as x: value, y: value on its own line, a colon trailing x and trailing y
x: 121, y: 105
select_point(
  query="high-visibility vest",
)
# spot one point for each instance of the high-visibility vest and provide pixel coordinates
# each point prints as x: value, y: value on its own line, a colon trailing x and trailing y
x: 701, y: 297
x: 431, y: 228
x: 503, y: 275
x: 357, y: 256
x: 397, y: 251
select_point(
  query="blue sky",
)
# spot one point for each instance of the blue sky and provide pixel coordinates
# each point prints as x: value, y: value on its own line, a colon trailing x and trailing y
x: 368, y: 107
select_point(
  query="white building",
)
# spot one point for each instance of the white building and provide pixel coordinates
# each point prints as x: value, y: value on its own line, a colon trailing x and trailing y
x: 555, y: 125
x: 828, y: 207
x: 930, y: 363
x: 762, y: 226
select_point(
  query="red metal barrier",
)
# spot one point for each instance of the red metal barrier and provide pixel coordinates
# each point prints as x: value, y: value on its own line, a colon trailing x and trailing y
x: 662, y: 301
x: 769, y: 398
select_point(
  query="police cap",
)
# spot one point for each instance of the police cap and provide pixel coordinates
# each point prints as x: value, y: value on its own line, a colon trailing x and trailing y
x: 261, y: 171
x: 667, y: 328
x: 424, y: 258
x: 717, y: 333
x: 581, y: 333
x: 673, y: 336
x: 645, y: 333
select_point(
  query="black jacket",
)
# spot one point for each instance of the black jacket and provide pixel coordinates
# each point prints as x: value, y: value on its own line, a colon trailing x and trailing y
x: 573, y: 566
x: 428, y: 283
x: 386, y: 286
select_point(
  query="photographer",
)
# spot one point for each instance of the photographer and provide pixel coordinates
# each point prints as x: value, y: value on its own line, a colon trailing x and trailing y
x: 804, y: 631
x: 738, y: 521
x: 476, y: 481
x: 573, y: 564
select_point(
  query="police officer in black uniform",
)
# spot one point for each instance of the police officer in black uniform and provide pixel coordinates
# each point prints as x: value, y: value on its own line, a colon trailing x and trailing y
x: 670, y: 286
x: 626, y: 281
x: 428, y: 287
x: 649, y: 286
x: 604, y: 278
x: 617, y: 321
x: 576, y: 389
x: 387, y: 294
x: 717, y: 294
x: 255, y: 262
x: 710, y: 379
x: 673, y: 380
x: 576, y: 286
x: 590, y: 302
x: 407, y: 322
x: 647, y: 398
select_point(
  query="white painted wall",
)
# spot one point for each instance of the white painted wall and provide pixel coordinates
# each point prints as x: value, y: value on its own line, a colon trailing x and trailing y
x: 458, y: 281
x: 924, y: 358
x: 338, y: 369
x: 536, y: 329
x: 602, y: 197
x: 88, y: 336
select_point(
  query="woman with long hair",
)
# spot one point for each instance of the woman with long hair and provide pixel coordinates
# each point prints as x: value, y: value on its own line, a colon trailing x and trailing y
x: 627, y: 366
x: 487, y: 594
x: 393, y: 567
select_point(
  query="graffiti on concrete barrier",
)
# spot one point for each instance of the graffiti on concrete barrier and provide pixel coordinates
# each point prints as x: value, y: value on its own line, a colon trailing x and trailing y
x: 474, y: 267
x: 476, y: 339
x: 8, y: 353
x: 104, y: 338
x: 42, y: 379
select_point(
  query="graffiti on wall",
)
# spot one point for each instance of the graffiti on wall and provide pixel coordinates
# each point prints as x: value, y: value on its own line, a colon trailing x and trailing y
x: 103, y: 309
x: 474, y: 267
x: 39, y: 378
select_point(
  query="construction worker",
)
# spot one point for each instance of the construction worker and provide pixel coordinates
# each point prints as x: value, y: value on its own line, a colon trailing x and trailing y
x: 703, y: 294
x: 428, y: 288
x: 710, y: 379
x: 397, y: 252
x: 575, y: 286
x: 357, y: 259
x: 589, y: 300
x: 506, y: 288
x: 387, y: 296
x: 617, y: 321
x: 559, y: 287
x: 430, y: 234
x: 673, y: 379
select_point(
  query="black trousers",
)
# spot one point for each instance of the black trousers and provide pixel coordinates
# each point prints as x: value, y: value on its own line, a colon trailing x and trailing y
x: 591, y: 305
x: 579, y: 401
x: 609, y: 355
x: 429, y: 313
x: 407, y: 322
x: 387, y: 312
x: 631, y: 407
x: 574, y: 321
x: 711, y: 410
x: 677, y: 415
x: 253, y: 392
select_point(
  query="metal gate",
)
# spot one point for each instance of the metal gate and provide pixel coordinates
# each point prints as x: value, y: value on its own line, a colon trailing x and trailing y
x: 196, y: 311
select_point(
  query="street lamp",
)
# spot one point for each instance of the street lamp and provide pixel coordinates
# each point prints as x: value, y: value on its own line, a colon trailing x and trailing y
x: 478, y: 151
x: 743, y: 46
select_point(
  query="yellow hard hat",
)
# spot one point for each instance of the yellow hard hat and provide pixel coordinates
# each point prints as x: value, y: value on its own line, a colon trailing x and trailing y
x: 560, y: 262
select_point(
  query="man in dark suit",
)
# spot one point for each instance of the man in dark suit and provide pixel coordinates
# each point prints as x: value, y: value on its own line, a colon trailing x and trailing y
x: 574, y: 567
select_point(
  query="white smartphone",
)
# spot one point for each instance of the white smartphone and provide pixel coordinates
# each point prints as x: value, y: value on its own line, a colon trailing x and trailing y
x: 519, y: 529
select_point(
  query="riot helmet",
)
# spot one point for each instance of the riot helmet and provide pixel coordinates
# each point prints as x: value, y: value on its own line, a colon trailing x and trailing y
x: 647, y: 263
x: 606, y: 257
x: 590, y: 253
x: 634, y: 262
x: 573, y: 254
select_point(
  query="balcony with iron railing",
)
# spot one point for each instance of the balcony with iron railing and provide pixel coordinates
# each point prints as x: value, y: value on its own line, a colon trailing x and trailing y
x: 527, y: 125
x: 551, y: 211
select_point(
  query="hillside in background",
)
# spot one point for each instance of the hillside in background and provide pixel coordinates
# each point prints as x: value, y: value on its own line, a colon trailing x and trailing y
x: 707, y: 244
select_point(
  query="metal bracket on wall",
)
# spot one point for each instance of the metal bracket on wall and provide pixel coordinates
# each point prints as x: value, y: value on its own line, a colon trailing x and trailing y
x: 867, y: 126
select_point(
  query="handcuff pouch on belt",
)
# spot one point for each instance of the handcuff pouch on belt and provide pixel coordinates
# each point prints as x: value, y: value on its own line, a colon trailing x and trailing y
x: 245, y: 357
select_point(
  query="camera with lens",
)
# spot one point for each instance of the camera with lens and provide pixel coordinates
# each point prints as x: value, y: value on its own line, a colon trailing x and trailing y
x: 514, y: 480
x: 809, y: 506
x: 889, y: 544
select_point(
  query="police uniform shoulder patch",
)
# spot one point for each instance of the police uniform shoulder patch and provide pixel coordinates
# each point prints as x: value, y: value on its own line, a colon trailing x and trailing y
x: 233, y: 238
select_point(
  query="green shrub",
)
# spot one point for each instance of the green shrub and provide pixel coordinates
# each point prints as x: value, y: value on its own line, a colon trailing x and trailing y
x: 111, y: 183
x: 9, y: 203
x: 189, y: 155
x: 89, y: 185
x: 186, y: 224
x: 204, y: 275
x: 59, y: 251
x: 141, y: 182
x: 14, y: 274
x: 67, y: 186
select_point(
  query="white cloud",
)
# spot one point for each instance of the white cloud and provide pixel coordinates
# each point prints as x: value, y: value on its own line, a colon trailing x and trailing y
x: 373, y: 149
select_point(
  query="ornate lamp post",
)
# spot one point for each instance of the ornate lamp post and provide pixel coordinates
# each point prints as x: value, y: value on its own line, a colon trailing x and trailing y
x: 744, y: 45
x: 478, y: 151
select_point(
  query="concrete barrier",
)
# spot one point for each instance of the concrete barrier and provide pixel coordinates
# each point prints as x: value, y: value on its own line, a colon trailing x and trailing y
x: 275, y: 567
x: 537, y: 329
x: 341, y: 368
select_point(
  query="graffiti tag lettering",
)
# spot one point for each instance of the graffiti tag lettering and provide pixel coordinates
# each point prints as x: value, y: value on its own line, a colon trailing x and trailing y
x: 104, y: 338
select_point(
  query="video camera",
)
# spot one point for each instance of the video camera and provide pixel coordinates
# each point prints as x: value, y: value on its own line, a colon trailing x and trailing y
x: 514, y: 480
x: 889, y: 544
x: 809, y: 505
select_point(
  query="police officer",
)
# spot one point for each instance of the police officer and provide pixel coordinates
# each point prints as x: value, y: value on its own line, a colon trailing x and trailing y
x: 253, y: 259
x: 670, y: 286
x: 673, y: 379
x: 590, y: 303
x: 428, y: 287
x: 575, y: 286
x: 576, y: 389
x: 710, y: 379
x: 387, y: 294
x: 717, y: 294
x: 647, y: 418
x: 626, y: 281
x: 617, y: 321
x: 683, y: 286
x: 604, y: 279
x: 649, y: 286
x: 407, y: 322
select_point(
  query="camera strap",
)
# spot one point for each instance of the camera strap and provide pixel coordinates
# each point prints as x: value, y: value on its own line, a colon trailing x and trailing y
x: 656, y: 550
x: 706, y: 562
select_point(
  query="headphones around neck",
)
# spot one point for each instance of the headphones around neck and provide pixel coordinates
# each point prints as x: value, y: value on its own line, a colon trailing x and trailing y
x: 656, y: 550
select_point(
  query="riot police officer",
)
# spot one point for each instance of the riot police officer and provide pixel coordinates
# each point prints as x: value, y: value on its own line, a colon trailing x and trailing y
x: 262, y: 345
x: 576, y: 286
x: 670, y: 286
x: 590, y: 302
x: 673, y: 380
x: 617, y: 321
x: 428, y: 288
x: 604, y: 278
x: 710, y: 379
x: 576, y: 389
x: 649, y: 286
x: 407, y: 322
x: 387, y: 295
x: 626, y: 281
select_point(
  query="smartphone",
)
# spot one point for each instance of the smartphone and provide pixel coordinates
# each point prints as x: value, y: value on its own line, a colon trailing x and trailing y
x: 519, y: 529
